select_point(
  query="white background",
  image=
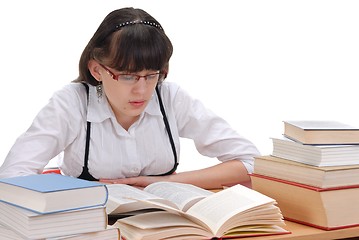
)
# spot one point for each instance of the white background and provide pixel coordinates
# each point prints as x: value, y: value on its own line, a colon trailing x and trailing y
x: 255, y: 62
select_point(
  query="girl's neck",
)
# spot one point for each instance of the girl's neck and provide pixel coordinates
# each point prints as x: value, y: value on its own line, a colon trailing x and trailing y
x: 126, y: 121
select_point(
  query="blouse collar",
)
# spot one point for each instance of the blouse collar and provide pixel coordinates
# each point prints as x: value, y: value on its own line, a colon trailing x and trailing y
x: 100, y: 109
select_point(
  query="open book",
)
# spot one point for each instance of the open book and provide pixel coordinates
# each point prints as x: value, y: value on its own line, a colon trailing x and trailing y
x: 193, y: 213
x: 124, y: 200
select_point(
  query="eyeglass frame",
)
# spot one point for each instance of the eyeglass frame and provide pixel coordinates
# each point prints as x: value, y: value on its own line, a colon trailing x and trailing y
x: 138, y: 77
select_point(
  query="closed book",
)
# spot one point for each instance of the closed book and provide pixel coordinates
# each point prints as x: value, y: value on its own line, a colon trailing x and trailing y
x: 37, y: 226
x: 316, y: 155
x: 321, y: 132
x: 47, y: 193
x: 321, y: 177
x: 324, y: 208
x: 110, y: 233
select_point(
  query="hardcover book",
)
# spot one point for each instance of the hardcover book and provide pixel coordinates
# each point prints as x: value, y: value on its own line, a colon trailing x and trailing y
x: 321, y: 132
x: 47, y: 193
x: 328, y: 209
x: 32, y: 225
x: 316, y: 155
x: 110, y: 233
x: 321, y: 177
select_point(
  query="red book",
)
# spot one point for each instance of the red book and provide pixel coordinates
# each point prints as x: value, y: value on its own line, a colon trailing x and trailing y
x: 324, y: 208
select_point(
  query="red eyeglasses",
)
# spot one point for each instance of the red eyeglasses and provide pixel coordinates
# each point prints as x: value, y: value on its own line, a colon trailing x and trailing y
x: 133, y: 78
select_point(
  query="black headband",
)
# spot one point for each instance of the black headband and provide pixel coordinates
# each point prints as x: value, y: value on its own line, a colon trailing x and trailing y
x: 153, y: 24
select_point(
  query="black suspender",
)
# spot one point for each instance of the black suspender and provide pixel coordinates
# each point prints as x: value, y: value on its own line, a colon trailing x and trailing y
x: 168, y: 129
x: 85, y: 171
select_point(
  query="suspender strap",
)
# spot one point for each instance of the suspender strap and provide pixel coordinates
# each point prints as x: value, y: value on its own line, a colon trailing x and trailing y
x: 168, y: 129
x: 85, y: 171
x: 87, y: 147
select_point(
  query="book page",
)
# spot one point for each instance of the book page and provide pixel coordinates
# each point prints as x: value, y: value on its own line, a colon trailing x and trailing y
x: 124, y: 198
x: 219, y: 208
x: 183, y: 195
x: 160, y: 225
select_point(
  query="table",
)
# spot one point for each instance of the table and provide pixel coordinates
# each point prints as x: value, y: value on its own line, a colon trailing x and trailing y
x: 303, y: 232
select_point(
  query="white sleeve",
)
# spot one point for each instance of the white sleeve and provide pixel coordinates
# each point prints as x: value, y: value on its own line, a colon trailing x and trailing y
x: 54, y: 127
x: 212, y: 135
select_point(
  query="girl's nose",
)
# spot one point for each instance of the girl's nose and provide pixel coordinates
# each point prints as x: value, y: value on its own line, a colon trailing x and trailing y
x: 141, y: 85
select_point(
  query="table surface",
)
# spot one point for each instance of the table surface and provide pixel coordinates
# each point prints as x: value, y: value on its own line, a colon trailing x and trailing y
x: 303, y: 232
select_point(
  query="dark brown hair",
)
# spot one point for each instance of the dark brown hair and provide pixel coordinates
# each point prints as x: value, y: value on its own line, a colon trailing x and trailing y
x: 127, y: 40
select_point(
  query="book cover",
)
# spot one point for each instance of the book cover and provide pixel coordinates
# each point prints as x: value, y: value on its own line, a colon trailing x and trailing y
x: 318, y: 125
x: 46, y: 193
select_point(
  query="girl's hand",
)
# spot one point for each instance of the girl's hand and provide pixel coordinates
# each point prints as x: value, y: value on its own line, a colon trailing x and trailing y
x: 141, y: 181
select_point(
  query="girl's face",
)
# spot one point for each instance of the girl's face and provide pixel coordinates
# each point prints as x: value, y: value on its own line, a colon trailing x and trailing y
x: 129, y: 94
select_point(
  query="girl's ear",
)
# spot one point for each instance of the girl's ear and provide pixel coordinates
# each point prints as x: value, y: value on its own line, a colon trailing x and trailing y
x: 94, y: 68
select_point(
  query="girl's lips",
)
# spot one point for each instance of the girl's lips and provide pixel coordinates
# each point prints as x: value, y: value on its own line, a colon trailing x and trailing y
x: 137, y: 103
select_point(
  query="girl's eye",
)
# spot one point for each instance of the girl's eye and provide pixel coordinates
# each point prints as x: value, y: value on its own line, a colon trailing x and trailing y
x: 127, y: 77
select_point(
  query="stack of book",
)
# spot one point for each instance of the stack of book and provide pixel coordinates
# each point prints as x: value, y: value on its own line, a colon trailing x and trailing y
x: 53, y: 206
x: 313, y: 173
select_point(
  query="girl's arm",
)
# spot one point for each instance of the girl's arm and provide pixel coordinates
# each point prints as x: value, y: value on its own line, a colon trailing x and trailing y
x: 223, y: 174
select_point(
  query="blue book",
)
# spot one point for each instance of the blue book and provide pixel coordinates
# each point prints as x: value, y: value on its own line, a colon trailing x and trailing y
x: 49, y: 193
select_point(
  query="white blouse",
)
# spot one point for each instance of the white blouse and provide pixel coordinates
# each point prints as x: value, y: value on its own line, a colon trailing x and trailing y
x: 114, y: 152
